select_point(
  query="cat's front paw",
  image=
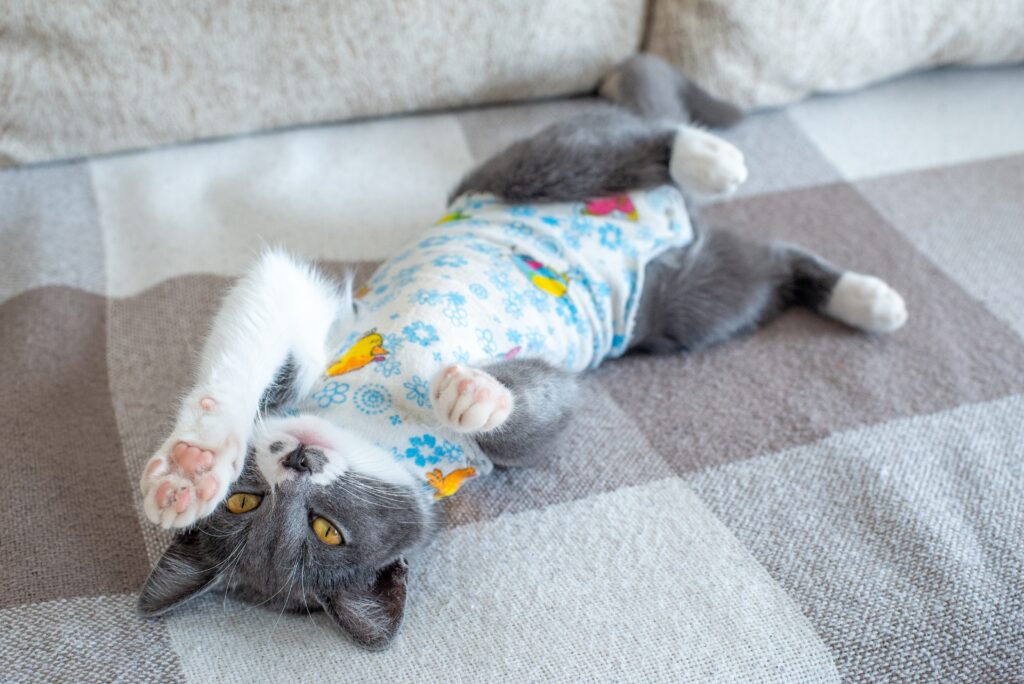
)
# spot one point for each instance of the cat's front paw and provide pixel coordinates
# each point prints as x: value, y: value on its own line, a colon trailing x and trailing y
x: 866, y: 302
x: 190, y: 474
x: 470, y: 400
x: 706, y: 163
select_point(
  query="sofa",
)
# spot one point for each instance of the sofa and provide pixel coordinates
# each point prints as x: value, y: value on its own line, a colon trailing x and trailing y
x: 807, y: 504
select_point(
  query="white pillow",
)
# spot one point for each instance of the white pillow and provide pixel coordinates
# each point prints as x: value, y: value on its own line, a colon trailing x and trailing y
x: 760, y: 53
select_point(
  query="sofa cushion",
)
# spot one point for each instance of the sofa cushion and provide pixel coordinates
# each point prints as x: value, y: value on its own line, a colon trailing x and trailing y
x: 754, y: 53
x: 94, y: 76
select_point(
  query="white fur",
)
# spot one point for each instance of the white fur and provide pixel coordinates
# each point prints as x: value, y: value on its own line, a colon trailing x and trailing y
x: 705, y: 163
x: 470, y: 400
x: 867, y: 303
x: 279, y: 307
x: 345, y: 450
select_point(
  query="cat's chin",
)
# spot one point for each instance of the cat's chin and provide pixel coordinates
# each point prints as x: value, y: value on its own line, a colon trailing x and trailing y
x: 310, y: 431
x: 343, y: 450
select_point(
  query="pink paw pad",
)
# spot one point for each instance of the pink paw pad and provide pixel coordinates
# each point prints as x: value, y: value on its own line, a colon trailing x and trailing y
x: 192, y: 460
x: 167, y: 495
x: 207, y: 488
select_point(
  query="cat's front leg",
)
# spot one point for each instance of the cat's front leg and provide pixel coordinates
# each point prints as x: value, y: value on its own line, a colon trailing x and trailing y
x: 277, y: 316
x: 191, y: 471
x: 469, y: 400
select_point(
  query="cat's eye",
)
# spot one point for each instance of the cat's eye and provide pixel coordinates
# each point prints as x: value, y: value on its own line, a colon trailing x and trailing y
x: 243, y: 502
x: 327, y: 532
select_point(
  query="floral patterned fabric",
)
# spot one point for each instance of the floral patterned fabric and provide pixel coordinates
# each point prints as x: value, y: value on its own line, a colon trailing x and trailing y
x: 492, y: 281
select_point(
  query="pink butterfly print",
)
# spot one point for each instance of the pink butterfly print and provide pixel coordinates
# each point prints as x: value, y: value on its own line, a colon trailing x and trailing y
x: 606, y: 205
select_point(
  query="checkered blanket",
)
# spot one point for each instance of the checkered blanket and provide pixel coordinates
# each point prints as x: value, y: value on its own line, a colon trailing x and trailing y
x: 806, y: 504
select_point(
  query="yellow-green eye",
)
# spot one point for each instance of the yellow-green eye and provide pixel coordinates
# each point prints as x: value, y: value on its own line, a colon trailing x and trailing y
x: 327, y: 532
x: 243, y: 502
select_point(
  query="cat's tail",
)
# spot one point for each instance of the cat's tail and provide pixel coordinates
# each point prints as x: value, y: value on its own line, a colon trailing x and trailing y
x: 652, y: 88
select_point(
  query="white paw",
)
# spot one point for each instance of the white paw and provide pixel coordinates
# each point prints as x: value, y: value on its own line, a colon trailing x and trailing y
x: 469, y: 400
x: 866, y: 302
x: 705, y: 163
x: 190, y: 474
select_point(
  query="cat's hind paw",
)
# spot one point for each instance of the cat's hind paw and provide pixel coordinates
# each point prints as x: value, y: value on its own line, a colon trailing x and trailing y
x: 705, y: 163
x: 866, y: 302
x: 191, y: 473
x: 470, y: 400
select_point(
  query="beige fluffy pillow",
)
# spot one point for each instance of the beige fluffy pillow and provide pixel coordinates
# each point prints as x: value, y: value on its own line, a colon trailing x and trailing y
x: 759, y: 53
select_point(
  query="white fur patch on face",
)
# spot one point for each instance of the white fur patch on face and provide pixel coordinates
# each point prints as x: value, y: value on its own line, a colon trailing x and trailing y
x: 705, y: 163
x: 344, y: 450
x: 866, y: 302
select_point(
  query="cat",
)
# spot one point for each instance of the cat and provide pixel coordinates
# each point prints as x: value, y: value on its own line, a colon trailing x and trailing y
x: 303, y: 467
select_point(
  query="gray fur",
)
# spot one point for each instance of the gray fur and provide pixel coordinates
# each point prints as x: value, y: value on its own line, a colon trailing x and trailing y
x: 271, y: 557
x: 544, y: 399
x: 649, y: 87
x: 723, y: 286
x: 703, y: 294
x: 591, y: 155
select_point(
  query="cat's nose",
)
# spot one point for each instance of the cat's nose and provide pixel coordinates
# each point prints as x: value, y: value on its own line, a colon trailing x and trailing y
x: 298, y: 460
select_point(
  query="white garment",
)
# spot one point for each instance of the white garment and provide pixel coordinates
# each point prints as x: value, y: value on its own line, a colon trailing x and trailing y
x: 492, y: 281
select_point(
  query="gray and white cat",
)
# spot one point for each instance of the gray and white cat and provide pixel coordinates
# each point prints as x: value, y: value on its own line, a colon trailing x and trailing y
x: 280, y: 504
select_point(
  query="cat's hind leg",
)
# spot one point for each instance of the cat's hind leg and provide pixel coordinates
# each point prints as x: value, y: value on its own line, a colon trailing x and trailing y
x: 606, y: 153
x: 726, y: 285
x: 513, y: 408
x: 271, y: 328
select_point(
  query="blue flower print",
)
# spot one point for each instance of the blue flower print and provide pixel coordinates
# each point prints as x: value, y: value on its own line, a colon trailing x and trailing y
x: 437, y: 357
x: 372, y: 399
x: 388, y: 367
x: 426, y: 297
x: 402, y: 256
x: 611, y: 235
x: 522, y: 210
x: 395, y: 419
x: 423, y: 450
x: 393, y: 342
x: 514, y: 305
x: 451, y: 452
x: 500, y: 279
x: 482, y: 248
x: 455, y: 310
x: 383, y: 301
x: 461, y: 355
x: 405, y: 277
x: 549, y: 245
x: 518, y: 228
x: 551, y: 220
x: 580, y: 228
x: 450, y: 261
x: 514, y: 336
x: 478, y: 290
x: 486, y: 339
x: 333, y: 392
x: 435, y: 241
x: 457, y: 316
x: 419, y: 391
x: 534, y: 342
x: 420, y: 333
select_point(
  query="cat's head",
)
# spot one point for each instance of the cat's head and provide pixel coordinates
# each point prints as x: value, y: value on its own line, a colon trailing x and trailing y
x: 318, y: 519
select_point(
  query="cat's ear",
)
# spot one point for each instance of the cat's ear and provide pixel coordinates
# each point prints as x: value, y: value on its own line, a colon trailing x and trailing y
x: 371, y: 615
x: 182, y: 573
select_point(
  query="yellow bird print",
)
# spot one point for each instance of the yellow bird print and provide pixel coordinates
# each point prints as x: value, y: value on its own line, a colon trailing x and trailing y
x: 367, y: 350
x: 446, y: 485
